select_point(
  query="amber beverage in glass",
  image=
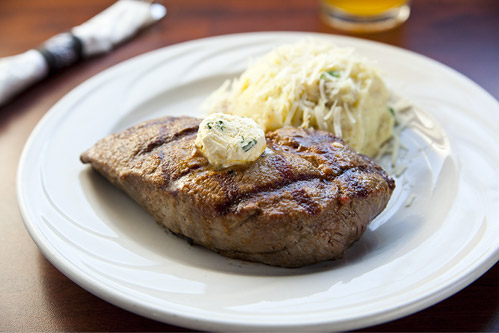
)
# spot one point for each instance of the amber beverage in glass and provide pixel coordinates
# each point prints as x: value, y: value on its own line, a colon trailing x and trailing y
x: 365, y: 15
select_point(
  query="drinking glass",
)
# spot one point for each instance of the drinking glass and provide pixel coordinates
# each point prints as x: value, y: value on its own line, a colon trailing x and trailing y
x: 365, y: 15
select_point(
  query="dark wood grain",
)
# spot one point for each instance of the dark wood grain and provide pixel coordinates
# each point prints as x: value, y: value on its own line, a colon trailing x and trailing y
x: 462, y: 34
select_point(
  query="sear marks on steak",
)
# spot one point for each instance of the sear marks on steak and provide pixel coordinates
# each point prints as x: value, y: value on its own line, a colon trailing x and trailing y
x: 305, y: 200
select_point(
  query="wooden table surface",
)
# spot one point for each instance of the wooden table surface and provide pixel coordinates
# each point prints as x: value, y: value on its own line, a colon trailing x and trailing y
x: 35, y: 296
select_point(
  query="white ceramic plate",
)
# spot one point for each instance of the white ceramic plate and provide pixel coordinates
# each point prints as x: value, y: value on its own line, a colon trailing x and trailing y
x: 409, y: 258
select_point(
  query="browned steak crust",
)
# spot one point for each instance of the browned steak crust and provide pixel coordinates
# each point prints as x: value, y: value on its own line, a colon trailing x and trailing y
x: 305, y: 200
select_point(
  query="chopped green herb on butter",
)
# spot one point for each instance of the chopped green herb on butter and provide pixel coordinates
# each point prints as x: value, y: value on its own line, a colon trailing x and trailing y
x: 227, y: 140
x: 249, y: 145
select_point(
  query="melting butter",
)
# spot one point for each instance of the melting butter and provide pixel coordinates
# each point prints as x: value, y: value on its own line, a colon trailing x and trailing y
x: 227, y: 140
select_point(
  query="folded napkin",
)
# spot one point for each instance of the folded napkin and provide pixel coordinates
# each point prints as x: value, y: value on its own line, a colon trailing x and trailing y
x: 98, y: 35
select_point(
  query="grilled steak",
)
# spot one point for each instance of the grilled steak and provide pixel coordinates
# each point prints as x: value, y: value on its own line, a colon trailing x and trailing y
x: 306, y: 199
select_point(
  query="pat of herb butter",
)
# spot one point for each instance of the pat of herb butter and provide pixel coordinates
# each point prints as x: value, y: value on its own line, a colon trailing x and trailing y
x: 227, y: 140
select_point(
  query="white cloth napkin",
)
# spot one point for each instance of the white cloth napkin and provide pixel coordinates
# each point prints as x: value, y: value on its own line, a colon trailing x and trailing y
x: 98, y: 35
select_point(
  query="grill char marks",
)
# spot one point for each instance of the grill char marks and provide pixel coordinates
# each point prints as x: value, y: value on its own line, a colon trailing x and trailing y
x: 219, y: 192
x: 305, y: 200
x: 165, y: 138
